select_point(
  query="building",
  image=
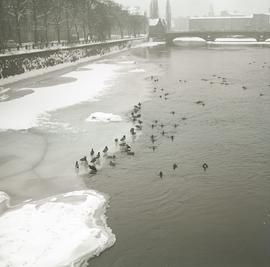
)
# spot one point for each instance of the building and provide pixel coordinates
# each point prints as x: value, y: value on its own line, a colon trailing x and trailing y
x: 154, y: 10
x: 168, y: 15
x: 256, y: 22
x: 157, y: 28
x: 180, y: 24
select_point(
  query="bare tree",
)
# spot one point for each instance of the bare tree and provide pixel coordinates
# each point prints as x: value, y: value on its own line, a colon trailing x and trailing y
x: 17, y: 9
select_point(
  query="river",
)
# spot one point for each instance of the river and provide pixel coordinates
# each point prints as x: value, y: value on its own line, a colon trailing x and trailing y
x: 215, y: 102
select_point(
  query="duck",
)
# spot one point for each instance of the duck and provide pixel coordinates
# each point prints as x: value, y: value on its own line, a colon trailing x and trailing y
x: 175, y: 166
x: 123, y: 138
x: 205, y: 166
x: 105, y: 150
x: 92, y: 168
x: 84, y: 159
x: 112, y: 164
x: 161, y: 174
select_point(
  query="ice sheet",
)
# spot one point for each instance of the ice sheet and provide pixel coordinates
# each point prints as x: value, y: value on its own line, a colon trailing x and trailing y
x: 23, y: 113
x: 58, y: 231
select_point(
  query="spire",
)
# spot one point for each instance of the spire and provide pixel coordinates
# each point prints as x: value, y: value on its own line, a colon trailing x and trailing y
x: 211, y: 12
x: 154, y: 12
x: 168, y: 15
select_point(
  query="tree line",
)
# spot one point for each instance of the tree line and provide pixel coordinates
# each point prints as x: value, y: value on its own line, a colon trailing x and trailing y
x: 43, y: 21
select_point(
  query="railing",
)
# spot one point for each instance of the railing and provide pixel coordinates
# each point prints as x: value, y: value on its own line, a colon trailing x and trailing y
x: 31, y: 47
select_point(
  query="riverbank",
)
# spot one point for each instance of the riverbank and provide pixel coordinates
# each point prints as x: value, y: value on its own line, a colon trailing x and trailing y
x: 21, y: 66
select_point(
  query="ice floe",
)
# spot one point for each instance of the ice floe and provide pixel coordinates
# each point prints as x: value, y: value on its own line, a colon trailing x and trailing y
x: 103, y: 117
x: 59, y: 231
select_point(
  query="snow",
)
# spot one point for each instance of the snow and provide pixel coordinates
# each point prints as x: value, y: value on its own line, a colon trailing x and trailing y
x: 189, y: 39
x: 225, y: 17
x: 137, y: 70
x: 24, y: 112
x: 58, y: 231
x: 150, y: 44
x: 103, y: 117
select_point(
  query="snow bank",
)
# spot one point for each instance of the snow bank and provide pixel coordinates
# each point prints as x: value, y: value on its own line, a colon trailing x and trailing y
x: 103, y: 117
x: 137, y: 70
x: 58, y: 231
x: 150, y: 44
x: 24, y: 112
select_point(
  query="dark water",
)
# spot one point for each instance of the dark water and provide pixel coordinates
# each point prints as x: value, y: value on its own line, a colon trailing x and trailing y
x: 191, y: 217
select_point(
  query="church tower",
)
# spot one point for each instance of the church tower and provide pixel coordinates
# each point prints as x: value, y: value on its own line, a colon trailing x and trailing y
x: 154, y: 12
x: 168, y: 15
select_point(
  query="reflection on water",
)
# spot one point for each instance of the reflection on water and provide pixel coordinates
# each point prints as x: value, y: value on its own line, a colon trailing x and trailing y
x: 191, y: 217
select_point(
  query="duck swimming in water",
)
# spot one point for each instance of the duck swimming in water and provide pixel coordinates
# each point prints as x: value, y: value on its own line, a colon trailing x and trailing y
x: 205, y: 166
x: 112, y: 164
x: 84, y: 159
x: 93, y: 169
x: 123, y: 138
x: 175, y: 166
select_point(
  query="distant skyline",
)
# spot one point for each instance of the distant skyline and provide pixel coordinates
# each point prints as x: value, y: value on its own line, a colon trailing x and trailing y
x: 201, y: 7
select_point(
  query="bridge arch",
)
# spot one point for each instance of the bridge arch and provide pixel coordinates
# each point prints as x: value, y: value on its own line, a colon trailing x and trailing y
x: 212, y: 36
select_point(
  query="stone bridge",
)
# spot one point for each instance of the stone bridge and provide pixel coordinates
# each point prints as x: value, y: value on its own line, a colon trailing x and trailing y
x: 213, y: 35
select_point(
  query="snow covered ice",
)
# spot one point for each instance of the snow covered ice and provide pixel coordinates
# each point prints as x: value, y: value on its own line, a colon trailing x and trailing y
x: 33, y: 105
x: 103, y: 117
x: 58, y: 231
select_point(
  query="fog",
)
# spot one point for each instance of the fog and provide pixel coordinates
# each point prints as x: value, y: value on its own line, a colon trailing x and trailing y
x: 201, y: 7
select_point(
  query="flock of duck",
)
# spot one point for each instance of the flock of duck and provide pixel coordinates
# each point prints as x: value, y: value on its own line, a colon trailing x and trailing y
x: 91, y: 164
x: 164, y: 95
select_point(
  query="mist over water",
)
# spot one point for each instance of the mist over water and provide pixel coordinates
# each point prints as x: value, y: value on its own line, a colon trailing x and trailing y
x: 191, y: 217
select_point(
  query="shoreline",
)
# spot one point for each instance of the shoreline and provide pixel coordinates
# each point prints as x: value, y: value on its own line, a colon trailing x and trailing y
x: 63, y: 67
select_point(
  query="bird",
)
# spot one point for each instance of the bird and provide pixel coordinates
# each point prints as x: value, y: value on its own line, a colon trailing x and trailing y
x: 83, y: 159
x: 172, y: 137
x: 123, y: 138
x: 175, y: 166
x: 116, y: 140
x: 132, y: 131
x: 130, y: 153
x: 92, y: 153
x: 111, y: 157
x: 98, y: 155
x: 112, y: 164
x: 205, y: 166
x: 161, y: 174
x: 138, y: 127
x: 105, y: 150
x: 244, y: 87
x: 92, y: 168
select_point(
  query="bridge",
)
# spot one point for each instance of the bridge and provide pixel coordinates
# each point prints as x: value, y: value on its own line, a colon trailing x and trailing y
x: 260, y: 36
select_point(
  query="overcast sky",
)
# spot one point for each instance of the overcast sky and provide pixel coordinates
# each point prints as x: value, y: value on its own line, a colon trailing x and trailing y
x: 201, y: 7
